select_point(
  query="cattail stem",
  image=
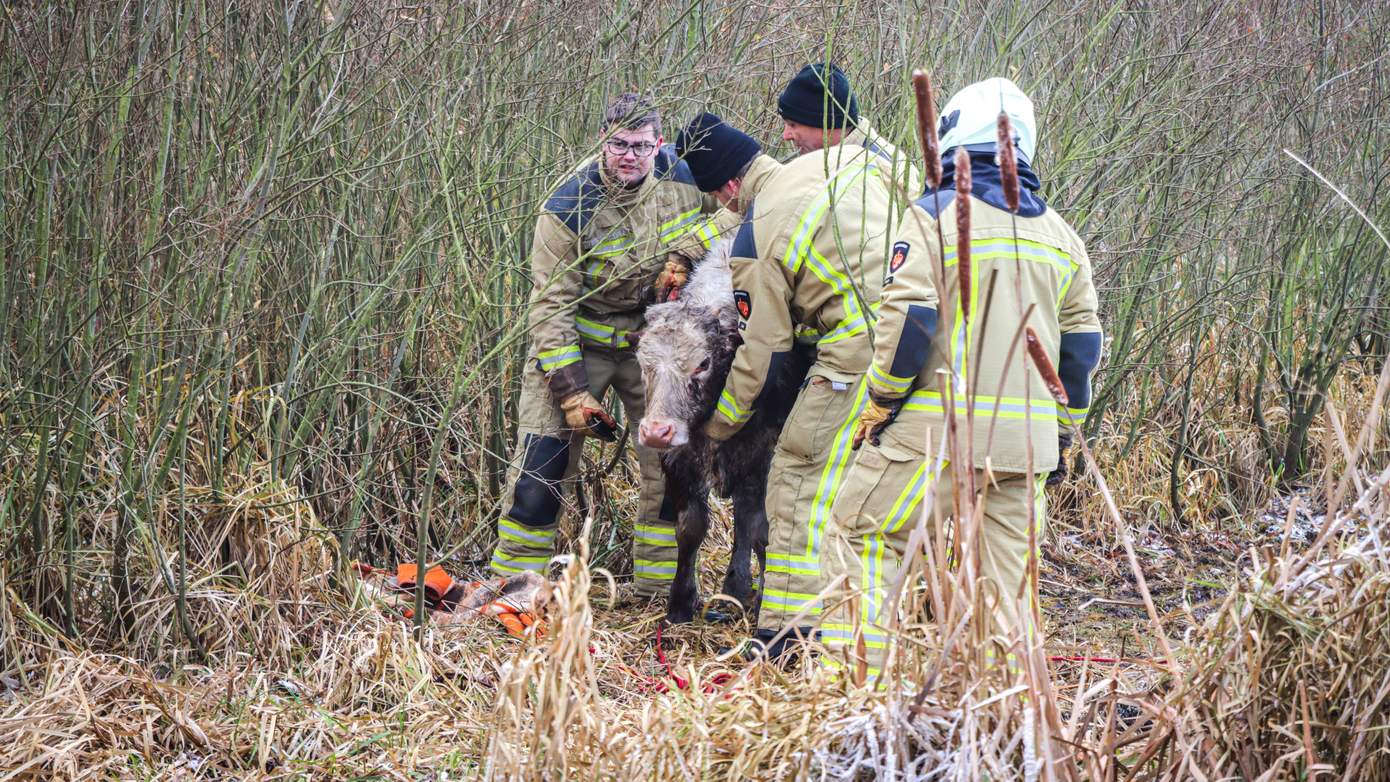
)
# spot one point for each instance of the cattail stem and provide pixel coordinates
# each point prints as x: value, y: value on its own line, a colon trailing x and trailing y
x: 926, y: 128
x: 1008, y: 163
x: 963, y: 185
x: 1043, y: 363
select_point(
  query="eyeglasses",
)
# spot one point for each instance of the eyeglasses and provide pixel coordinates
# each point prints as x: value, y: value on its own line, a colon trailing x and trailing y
x: 619, y: 147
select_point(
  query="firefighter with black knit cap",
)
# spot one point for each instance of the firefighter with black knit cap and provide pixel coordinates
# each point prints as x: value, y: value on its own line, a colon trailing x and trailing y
x: 1027, y: 269
x: 819, y: 110
x: 624, y: 223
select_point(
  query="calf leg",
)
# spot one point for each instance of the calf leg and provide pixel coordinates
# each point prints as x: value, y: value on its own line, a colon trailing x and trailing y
x: 750, y: 536
x: 690, y: 533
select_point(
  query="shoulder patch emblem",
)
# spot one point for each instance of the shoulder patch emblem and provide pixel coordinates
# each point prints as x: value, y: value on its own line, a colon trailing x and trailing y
x: 744, y: 303
x: 899, y: 257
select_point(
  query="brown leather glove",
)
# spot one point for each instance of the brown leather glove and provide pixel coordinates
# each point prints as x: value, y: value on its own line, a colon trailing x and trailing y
x: 585, y: 413
x: 875, y: 418
x: 670, y: 281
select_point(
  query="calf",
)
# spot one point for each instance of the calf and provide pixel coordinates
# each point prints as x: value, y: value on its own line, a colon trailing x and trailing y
x: 685, y: 351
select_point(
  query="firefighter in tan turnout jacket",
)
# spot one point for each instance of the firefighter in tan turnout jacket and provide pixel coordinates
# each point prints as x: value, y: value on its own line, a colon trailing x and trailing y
x: 807, y: 258
x: 1032, y: 259
x: 819, y: 111
x: 622, y: 224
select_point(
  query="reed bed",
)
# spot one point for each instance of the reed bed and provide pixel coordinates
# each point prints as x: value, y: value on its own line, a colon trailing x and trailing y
x: 262, y: 314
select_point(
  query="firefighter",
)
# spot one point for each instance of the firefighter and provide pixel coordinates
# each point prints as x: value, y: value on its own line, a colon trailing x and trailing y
x: 617, y: 227
x: 1037, y: 269
x: 808, y: 255
x: 819, y: 110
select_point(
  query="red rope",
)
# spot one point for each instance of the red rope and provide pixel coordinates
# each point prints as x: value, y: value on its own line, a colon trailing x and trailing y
x: 709, y: 687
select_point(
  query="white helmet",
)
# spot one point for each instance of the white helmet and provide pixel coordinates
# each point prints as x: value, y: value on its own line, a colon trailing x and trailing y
x: 971, y: 117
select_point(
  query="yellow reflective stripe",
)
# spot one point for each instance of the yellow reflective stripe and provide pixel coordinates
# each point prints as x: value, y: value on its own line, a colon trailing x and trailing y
x: 653, y: 535
x: 837, y: 667
x: 680, y: 220
x: 832, y: 475
x: 657, y: 569
x: 847, y: 328
x: 728, y: 406
x: 874, y: 639
x: 613, y: 247
x: 1000, y: 248
x: 534, y: 538
x: 892, y: 383
x: 908, y: 500
x: 781, y: 564
x: 791, y: 602
x: 507, y: 563
x: 679, y: 226
x: 601, y: 334
x: 1072, y: 415
x: 1000, y: 407
x: 559, y: 357
x: 800, y: 244
x: 707, y: 233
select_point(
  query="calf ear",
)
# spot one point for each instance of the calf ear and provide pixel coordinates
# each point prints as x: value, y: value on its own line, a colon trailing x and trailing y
x: 633, y: 337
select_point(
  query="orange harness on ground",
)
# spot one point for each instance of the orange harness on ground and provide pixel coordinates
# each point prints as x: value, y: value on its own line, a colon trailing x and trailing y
x: 514, y: 602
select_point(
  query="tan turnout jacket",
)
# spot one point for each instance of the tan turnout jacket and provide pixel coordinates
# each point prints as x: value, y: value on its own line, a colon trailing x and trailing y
x: 902, y: 169
x: 926, y: 351
x: 596, y: 252
x: 807, y: 260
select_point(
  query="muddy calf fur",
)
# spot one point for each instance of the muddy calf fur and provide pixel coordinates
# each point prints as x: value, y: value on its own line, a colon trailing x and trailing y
x: 685, y: 352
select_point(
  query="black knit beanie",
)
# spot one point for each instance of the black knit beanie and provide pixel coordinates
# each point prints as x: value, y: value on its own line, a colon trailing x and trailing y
x: 819, y: 96
x: 715, y: 150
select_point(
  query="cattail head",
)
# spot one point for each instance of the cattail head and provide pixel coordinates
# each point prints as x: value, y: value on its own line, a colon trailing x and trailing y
x: 963, y: 185
x: 1038, y: 354
x: 1008, y: 162
x: 926, y: 127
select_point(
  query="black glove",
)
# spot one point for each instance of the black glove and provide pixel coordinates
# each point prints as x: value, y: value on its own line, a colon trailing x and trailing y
x: 1060, y: 474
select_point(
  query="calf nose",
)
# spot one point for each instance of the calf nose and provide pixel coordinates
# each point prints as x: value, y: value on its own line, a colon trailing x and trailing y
x: 655, y: 434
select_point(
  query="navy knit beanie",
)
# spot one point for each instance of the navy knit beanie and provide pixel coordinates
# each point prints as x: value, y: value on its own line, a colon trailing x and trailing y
x: 819, y: 96
x: 714, y: 150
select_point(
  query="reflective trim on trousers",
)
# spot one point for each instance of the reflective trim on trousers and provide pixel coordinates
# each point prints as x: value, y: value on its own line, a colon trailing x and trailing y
x: 653, y: 535
x: 808, y: 563
x: 791, y: 602
x: 527, y: 536
x: 508, y: 563
x: 654, y: 569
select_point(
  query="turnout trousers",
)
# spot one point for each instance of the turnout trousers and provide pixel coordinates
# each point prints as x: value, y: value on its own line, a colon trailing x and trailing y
x: 877, y: 509
x: 544, y: 464
x: 808, y: 466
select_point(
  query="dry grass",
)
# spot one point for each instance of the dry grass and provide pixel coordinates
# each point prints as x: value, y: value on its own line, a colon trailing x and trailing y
x: 262, y: 315
x: 1285, y: 677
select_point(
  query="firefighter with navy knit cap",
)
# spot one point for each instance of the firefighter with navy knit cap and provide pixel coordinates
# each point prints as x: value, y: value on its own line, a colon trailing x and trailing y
x: 820, y: 110
x: 1028, y: 269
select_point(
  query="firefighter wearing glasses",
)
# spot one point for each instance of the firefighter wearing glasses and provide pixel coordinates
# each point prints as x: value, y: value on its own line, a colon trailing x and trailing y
x: 624, y: 223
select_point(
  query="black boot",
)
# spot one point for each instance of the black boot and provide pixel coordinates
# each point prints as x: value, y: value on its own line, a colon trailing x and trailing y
x: 782, y: 652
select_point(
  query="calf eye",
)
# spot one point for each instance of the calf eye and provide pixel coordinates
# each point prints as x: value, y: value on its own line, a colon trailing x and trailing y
x: 704, y: 366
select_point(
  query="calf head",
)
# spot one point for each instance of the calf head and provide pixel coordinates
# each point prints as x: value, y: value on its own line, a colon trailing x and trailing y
x: 685, y: 352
